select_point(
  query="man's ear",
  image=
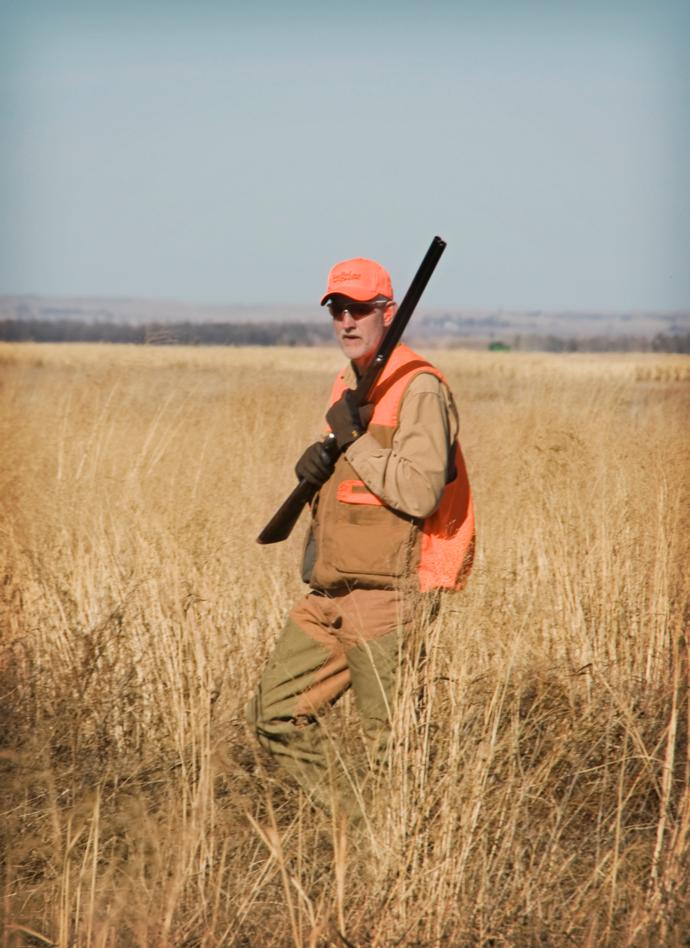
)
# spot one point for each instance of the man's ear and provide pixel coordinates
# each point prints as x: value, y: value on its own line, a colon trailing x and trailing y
x: 388, y: 313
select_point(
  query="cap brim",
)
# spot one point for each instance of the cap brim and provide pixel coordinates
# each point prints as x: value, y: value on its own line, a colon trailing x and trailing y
x: 352, y: 293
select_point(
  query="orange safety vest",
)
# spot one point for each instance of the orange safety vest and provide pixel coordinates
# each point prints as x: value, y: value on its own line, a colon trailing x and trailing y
x: 361, y: 541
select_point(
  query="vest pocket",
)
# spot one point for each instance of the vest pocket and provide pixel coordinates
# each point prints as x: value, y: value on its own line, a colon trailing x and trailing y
x: 357, y: 492
x: 370, y: 541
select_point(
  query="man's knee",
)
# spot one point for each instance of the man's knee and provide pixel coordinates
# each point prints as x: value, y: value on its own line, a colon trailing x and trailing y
x: 259, y: 724
x: 271, y: 730
x: 258, y: 720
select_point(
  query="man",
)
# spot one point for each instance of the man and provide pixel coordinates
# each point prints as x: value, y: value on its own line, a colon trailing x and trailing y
x: 392, y: 523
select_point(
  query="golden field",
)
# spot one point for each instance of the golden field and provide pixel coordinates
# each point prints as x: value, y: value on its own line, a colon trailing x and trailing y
x: 538, y: 792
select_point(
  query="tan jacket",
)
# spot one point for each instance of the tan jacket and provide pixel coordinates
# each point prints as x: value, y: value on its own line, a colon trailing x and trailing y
x: 370, y: 516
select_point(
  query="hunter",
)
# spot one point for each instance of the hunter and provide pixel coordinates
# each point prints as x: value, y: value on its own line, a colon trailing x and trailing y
x: 392, y: 524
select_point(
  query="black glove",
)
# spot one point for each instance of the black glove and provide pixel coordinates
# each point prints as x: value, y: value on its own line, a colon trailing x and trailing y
x: 347, y: 422
x: 315, y: 465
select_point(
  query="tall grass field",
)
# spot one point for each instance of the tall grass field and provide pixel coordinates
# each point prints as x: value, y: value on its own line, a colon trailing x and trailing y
x: 537, y: 793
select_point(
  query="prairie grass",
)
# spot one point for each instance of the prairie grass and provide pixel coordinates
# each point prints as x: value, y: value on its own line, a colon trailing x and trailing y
x: 538, y: 792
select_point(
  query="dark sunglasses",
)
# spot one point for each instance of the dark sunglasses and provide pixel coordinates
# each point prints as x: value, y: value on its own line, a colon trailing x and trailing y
x: 356, y: 310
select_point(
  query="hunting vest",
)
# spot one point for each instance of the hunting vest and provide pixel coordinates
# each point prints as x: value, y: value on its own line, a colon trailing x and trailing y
x: 356, y: 540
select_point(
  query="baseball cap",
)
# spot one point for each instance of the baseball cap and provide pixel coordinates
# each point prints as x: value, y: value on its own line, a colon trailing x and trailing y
x: 360, y: 279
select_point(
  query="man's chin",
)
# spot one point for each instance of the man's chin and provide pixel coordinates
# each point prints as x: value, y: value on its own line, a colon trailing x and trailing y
x: 353, y: 349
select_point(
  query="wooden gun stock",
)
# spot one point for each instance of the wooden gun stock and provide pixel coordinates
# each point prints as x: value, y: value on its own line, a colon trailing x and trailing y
x: 284, y: 519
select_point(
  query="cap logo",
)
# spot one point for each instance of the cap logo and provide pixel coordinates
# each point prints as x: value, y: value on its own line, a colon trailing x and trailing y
x: 345, y: 276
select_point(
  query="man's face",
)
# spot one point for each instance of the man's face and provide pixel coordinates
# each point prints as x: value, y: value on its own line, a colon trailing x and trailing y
x: 360, y: 327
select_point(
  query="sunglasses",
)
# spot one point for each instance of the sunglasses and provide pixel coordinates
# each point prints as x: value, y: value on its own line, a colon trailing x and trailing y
x: 356, y: 310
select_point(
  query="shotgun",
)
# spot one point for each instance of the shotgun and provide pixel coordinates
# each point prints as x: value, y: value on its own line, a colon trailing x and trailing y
x: 281, y: 523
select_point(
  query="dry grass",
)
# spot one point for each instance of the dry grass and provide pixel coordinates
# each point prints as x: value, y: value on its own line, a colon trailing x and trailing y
x: 539, y: 790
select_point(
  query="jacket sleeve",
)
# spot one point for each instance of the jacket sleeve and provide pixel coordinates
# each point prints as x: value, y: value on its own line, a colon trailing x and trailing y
x: 410, y: 475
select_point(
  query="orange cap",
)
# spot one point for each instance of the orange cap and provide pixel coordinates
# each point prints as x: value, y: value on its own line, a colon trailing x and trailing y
x: 360, y: 279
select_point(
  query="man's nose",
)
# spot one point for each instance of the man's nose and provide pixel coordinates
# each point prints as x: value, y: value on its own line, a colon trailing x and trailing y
x: 348, y: 320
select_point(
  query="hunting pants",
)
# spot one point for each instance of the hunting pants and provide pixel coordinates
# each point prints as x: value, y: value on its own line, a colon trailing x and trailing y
x: 332, y: 642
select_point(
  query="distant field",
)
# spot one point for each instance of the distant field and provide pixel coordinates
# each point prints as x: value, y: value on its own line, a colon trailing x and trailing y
x: 538, y: 794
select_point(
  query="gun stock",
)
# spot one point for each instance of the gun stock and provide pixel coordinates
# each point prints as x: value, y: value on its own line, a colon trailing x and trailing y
x: 279, y: 527
x: 281, y: 523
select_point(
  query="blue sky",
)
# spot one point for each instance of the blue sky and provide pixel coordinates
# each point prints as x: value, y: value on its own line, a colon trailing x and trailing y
x: 230, y: 153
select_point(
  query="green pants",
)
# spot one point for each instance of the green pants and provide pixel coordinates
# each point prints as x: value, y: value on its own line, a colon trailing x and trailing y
x: 329, y: 644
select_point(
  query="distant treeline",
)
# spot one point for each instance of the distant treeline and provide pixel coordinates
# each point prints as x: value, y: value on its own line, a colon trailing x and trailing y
x: 536, y: 342
x: 661, y: 342
x: 306, y: 334
x: 160, y: 334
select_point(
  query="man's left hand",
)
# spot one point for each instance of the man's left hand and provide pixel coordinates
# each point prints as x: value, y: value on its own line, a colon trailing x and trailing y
x: 347, y: 422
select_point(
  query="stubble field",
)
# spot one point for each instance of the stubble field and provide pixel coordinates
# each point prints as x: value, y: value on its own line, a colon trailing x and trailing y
x: 538, y: 792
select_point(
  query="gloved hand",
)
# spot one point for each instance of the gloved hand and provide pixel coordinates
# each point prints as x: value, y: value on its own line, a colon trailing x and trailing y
x: 346, y: 421
x: 315, y: 465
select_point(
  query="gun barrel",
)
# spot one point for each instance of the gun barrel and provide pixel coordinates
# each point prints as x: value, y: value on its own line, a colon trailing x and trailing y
x: 402, y: 318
